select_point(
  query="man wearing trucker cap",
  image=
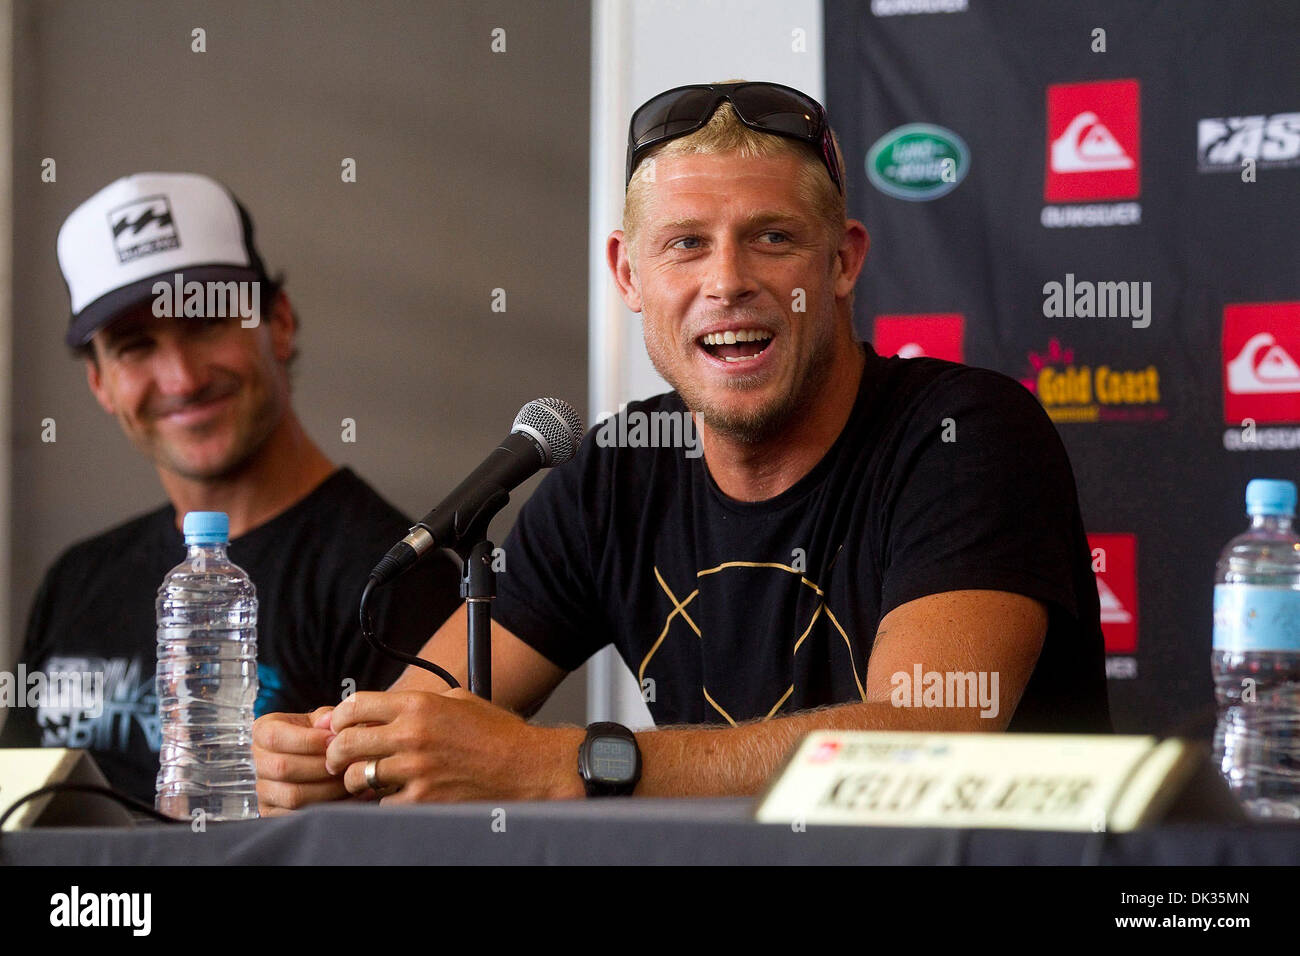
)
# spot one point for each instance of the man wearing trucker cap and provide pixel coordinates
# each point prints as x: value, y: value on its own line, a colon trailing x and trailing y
x: 187, y: 342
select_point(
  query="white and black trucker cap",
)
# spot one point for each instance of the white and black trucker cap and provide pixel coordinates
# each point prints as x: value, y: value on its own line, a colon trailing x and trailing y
x: 146, y: 227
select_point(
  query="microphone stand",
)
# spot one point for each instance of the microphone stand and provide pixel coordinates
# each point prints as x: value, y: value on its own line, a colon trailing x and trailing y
x: 459, y: 524
x: 478, y: 586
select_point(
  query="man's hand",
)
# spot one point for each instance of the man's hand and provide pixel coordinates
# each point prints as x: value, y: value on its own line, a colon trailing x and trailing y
x: 289, y: 753
x: 455, y: 746
x: 289, y: 749
x: 449, y: 746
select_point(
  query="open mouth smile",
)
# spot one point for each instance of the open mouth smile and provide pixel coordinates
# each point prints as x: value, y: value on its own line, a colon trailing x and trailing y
x: 735, y: 346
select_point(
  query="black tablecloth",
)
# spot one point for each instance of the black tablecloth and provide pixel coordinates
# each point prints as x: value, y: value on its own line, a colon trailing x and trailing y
x: 625, y: 831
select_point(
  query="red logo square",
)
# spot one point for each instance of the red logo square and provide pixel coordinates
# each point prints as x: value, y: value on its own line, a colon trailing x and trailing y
x: 1093, y: 149
x: 1261, y: 362
x: 824, y: 751
x: 938, y: 336
x: 1114, y: 563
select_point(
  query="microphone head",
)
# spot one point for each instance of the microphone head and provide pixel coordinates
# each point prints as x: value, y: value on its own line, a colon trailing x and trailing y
x: 556, y: 426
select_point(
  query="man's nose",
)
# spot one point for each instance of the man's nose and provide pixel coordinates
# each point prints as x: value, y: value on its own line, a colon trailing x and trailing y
x: 730, y: 280
x: 179, y: 367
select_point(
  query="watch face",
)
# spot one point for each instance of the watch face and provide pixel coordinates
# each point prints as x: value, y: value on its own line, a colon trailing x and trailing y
x: 612, y: 759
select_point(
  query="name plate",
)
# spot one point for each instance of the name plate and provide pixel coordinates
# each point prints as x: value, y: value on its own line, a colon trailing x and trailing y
x: 24, y: 770
x: 958, y: 780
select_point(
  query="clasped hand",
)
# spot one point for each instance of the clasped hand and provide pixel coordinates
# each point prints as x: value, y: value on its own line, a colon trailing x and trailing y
x: 426, y: 746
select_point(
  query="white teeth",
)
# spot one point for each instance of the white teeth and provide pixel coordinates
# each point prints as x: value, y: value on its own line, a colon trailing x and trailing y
x: 732, y: 336
x: 740, y: 358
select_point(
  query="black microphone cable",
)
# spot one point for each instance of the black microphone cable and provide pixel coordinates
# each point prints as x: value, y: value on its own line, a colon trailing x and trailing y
x: 130, y: 802
x: 372, y: 638
x: 545, y: 433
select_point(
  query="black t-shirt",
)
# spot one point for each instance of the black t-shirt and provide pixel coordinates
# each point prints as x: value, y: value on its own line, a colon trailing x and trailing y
x: 946, y: 477
x: 95, y: 612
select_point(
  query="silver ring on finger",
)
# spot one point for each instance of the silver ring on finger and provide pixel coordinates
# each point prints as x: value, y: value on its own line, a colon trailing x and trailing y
x: 372, y: 774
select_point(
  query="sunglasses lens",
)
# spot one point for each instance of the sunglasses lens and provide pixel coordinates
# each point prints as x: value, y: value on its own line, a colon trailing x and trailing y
x: 778, y: 111
x: 670, y: 114
x: 762, y: 106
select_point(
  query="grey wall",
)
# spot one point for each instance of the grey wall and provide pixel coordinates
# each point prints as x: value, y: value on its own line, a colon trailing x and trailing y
x: 471, y: 176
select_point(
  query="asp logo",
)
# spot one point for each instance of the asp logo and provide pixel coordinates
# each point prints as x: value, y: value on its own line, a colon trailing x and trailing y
x: 1261, y: 362
x: 1223, y: 144
x: 1114, y: 565
x: 938, y: 336
x: 1093, y: 147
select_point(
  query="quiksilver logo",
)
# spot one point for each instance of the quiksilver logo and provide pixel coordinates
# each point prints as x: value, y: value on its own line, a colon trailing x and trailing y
x: 1263, y: 366
x: 1087, y: 145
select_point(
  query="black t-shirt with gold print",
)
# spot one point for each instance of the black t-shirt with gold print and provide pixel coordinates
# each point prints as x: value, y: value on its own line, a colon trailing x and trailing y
x: 946, y: 477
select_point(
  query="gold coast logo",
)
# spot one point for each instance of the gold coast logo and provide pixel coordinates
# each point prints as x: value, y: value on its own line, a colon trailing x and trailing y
x: 1075, y: 392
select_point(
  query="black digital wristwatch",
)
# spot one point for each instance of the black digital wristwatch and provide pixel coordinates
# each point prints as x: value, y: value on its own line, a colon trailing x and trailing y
x: 609, y: 760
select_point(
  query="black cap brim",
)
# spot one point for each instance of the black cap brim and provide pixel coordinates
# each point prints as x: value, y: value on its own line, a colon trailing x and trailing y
x: 108, y: 307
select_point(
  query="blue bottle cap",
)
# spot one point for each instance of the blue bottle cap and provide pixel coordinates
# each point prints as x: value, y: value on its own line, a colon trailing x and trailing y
x: 1270, y: 496
x: 213, y: 527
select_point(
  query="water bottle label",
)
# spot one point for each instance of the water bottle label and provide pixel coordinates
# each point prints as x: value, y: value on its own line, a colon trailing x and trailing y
x: 1252, y: 617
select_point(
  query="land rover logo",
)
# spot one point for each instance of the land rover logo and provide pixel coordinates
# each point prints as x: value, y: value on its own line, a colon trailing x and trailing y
x: 918, y: 162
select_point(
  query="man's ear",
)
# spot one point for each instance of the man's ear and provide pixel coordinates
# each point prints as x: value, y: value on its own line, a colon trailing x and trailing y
x: 850, y: 256
x: 95, y: 379
x: 284, y: 326
x: 618, y: 253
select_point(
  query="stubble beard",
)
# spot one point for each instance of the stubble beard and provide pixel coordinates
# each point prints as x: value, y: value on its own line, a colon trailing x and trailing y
x: 756, y: 425
x: 251, y: 432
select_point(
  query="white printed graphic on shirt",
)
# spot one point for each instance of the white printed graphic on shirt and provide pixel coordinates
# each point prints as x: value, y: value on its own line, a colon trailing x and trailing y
x: 128, y: 698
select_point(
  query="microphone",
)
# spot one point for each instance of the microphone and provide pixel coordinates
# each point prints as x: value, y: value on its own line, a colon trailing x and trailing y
x: 546, y: 432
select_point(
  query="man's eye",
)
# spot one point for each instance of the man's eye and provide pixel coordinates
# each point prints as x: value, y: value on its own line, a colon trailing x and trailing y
x: 780, y: 236
x: 687, y: 239
x: 131, y: 345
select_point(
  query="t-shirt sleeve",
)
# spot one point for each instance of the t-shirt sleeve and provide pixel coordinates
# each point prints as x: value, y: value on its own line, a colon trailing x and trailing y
x: 546, y: 597
x: 983, y: 497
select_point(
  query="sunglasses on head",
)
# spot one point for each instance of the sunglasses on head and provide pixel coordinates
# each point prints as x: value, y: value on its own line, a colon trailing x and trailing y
x: 766, y: 107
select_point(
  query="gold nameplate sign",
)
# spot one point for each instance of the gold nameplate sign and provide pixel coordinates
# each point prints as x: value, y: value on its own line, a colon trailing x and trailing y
x: 957, y: 780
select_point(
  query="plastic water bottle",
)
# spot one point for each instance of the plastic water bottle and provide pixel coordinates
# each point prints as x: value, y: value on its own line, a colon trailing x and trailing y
x: 1256, y: 657
x: 207, y: 679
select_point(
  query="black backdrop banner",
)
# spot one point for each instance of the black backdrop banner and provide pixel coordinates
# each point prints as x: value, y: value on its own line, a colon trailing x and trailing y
x: 1101, y: 200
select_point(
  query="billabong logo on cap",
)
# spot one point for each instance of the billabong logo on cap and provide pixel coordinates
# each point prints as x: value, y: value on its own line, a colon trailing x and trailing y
x: 143, y: 227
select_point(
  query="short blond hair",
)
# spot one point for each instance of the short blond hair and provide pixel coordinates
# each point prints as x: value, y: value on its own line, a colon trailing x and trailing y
x: 725, y: 133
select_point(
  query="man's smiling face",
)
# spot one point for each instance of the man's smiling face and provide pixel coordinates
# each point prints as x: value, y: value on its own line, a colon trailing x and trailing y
x: 737, y: 284
x: 198, y: 396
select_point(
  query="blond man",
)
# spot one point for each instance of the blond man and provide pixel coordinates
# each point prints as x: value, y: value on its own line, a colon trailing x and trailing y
x: 854, y: 523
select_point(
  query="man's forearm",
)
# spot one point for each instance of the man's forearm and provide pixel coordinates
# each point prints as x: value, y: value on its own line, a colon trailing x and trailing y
x: 737, y: 761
